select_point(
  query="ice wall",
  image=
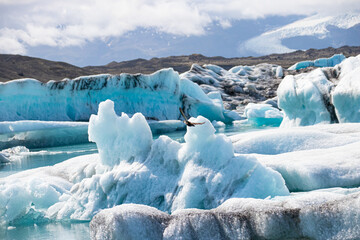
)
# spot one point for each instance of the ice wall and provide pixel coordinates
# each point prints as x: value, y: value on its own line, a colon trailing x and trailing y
x: 331, y: 214
x: 156, y: 96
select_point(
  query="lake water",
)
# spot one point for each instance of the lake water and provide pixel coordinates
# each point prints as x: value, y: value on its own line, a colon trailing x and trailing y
x: 48, y: 156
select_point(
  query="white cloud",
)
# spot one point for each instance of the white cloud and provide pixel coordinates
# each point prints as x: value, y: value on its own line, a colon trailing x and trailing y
x: 73, y: 22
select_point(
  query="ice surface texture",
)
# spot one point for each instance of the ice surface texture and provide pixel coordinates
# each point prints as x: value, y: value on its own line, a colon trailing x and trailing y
x: 313, y: 215
x: 132, y: 168
x: 156, y: 96
x: 321, y: 62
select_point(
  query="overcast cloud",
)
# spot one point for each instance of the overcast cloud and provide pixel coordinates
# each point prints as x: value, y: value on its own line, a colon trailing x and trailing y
x: 29, y: 23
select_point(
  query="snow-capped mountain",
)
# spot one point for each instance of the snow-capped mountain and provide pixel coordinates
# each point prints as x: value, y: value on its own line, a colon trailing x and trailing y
x: 314, y: 31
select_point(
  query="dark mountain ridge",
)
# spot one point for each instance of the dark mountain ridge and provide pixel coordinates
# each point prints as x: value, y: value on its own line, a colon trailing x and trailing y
x: 17, y: 66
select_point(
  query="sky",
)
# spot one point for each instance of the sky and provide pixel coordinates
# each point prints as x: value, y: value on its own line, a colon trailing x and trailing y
x: 96, y: 32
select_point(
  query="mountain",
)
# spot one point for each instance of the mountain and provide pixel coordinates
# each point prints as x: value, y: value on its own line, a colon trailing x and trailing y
x: 16, y: 66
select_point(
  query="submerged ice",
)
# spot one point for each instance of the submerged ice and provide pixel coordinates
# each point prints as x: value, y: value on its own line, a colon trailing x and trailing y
x: 132, y: 168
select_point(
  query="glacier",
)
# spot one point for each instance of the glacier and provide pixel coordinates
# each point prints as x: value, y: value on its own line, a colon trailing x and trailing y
x: 131, y: 167
x: 157, y: 96
x: 325, y: 214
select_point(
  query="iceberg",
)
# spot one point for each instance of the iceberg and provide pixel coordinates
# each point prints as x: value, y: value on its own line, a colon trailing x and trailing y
x: 157, y: 96
x: 321, y: 62
x: 346, y: 96
x: 131, y: 167
x: 326, y: 214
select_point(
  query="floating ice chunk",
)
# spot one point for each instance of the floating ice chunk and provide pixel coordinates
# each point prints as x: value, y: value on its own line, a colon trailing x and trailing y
x: 218, y: 124
x: 263, y: 114
x: 321, y: 62
x: 119, y: 138
x: 314, y: 215
x: 304, y: 99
